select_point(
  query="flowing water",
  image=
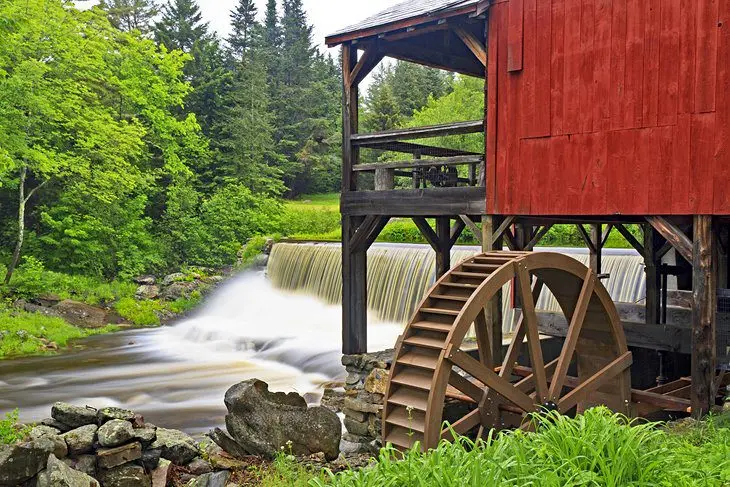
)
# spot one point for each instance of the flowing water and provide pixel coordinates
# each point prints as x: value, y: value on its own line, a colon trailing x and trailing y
x: 284, y: 329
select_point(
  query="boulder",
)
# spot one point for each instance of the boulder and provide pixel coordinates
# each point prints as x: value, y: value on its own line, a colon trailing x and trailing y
x: 160, y: 474
x: 151, y: 459
x: 145, y: 280
x: 115, y: 432
x: 170, y: 278
x: 177, y: 290
x: 80, y: 440
x: 105, y: 415
x: 147, y: 291
x: 146, y: 435
x: 83, y: 463
x: 218, y: 479
x: 37, y: 308
x: 114, y: 457
x: 81, y: 314
x: 47, y: 300
x: 43, y: 430
x: 263, y: 422
x: 22, y: 462
x: 73, y: 416
x: 125, y: 476
x: 199, y: 467
x: 58, y: 474
x: 175, y: 446
x: 56, y: 424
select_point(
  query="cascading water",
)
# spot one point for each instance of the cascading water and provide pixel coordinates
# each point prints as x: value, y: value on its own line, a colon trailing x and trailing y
x: 399, y: 276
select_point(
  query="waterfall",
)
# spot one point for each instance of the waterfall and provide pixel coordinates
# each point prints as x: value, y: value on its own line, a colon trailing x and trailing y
x: 399, y: 276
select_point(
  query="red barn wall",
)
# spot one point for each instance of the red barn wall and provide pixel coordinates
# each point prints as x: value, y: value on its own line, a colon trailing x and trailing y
x: 601, y: 107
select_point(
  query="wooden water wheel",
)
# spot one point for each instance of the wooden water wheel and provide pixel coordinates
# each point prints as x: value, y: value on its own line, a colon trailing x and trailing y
x: 438, y: 368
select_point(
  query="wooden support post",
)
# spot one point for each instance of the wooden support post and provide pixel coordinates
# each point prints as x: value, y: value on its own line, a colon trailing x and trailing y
x: 384, y: 179
x: 723, y: 236
x: 493, y: 310
x: 443, y: 254
x: 354, y: 290
x: 350, y: 153
x: 653, y: 278
x: 596, y: 248
x: 704, y: 311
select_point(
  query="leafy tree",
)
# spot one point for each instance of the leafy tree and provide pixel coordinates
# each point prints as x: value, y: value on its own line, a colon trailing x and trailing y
x: 130, y: 15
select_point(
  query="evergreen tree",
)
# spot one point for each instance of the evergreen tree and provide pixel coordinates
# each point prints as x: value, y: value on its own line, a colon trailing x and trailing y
x: 271, y: 25
x: 128, y: 15
x: 382, y: 111
x: 181, y: 26
x: 243, y: 24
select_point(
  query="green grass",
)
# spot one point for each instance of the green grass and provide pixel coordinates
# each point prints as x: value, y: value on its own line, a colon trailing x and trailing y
x: 22, y: 333
x: 594, y: 449
x: 9, y: 432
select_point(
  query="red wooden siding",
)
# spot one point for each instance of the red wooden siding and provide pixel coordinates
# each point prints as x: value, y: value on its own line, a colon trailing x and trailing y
x: 601, y: 107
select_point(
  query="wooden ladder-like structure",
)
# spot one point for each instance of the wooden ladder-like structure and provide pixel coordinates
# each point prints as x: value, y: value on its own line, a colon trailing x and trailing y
x: 436, y: 361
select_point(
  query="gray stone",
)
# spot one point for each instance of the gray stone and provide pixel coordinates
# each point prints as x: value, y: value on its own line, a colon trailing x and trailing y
x: 146, y: 435
x: 113, y: 457
x: 43, y: 430
x: 115, y: 432
x: 151, y: 459
x: 56, y: 424
x: 19, y: 463
x: 175, y: 446
x: 145, y: 280
x: 125, y: 476
x: 171, y: 278
x: 177, y: 290
x: 199, y: 467
x: 263, y: 422
x: 147, y: 291
x: 159, y: 474
x: 73, y: 416
x: 218, y: 479
x: 356, y: 427
x: 105, y: 415
x: 228, y: 444
x: 362, y: 406
x: 81, y: 314
x: 355, y: 415
x: 61, y: 475
x: 37, y: 308
x: 80, y: 440
x: 83, y: 463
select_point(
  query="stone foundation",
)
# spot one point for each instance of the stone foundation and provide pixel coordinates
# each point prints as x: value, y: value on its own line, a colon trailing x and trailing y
x: 367, y: 378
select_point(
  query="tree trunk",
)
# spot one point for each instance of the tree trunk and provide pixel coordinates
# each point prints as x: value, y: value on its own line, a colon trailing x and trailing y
x: 21, y: 226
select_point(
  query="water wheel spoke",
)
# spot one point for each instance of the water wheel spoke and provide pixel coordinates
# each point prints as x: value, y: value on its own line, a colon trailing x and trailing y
x: 466, y: 386
x: 529, y: 318
x: 491, y: 379
x: 527, y: 384
x: 513, y: 351
x: 596, y: 381
x: 481, y: 328
x: 571, y: 340
x: 463, y: 425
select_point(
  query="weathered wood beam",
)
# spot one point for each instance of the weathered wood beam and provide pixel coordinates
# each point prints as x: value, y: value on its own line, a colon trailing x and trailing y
x: 354, y: 291
x: 350, y: 154
x: 672, y: 234
x: 396, y: 135
x: 538, y: 236
x: 586, y: 238
x: 704, y: 316
x: 493, y: 311
x: 412, y: 51
x: 424, y: 150
x: 606, y: 234
x: 503, y: 227
x: 429, y: 202
x: 443, y: 254
x: 475, y: 46
x: 456, y: 230
x: 653, y: 277
x: 367, y: 232
x: 427, y: 232
x: 596, y: 257
x: 369, y: 59
x: 415, y: 32
x: 473, y: 227
x: 638, y: 246
x: 447, y: 161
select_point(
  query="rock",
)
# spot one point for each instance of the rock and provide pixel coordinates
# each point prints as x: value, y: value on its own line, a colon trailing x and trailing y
x: 160, y: 474
x: 199, y: 467
x: 47, y: 300
x: 228, y: 444
x: 362, y: 406
x: 356, y: 427
x: 145, y: 280
x: 37, y: 308
x: 43, y: 430
x: 147, y: 291
x: 73, y: 416
x: 177, y: 290
x: 261, y: 261
x: 61, y: 475
x: 105, y: 415
x: 56, y: 424
x: 19, y: 463
x: 125, y: 476
x: 80, y: 440
x: 115, y: 432
x: 171, y: 278
x: 59, y: 445
x: 221, y: 460
x: 151, y: 459
x: 146, y: 435
x: 263, y: 422
x: 218, y: 479
x: 377, y: 381
x: 113, y: 457
x: 83, y: 463
x: 175, y: 446
x: 81, y: 314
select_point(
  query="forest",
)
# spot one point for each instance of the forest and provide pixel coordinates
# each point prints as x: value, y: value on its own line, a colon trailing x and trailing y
x: 134, y: 139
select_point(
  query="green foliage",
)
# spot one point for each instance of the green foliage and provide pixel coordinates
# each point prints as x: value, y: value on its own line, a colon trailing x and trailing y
x: 285, y: 471
x: 9, y: 433
x: 141, y: 313
x: 594, y: 449
x: 251, y: 250
x: 23, y: 333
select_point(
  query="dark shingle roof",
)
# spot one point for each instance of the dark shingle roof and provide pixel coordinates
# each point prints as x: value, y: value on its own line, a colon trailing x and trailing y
x: 404, y: 11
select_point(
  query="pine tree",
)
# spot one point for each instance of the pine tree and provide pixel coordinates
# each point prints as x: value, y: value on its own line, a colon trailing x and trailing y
x: 243, y: 24
x: 181, y: 25
x: 130, y: 15
x: 272, y: 29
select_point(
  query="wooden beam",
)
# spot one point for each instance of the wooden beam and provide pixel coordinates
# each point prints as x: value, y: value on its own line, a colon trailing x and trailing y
x: 354, y: 291
x: 429, y: 202
x: 443, y: 254
x: 653, y: 277
x: 456, y: 230
x: 473, y: 227
x: 503, y: 227
x: 415, y: 32
x: 396, y: 135
x: 596, y: 257
x: 367, y: 232
x: 369, y: 59
x: 538, y: 236
x: 704, y: 316
x: 350, y: 154
x: 586, y: 238
x: 639, y: 247
x: 447, y: 161
x: 423, y: 150
x: 439, y: 58
x: 493, y: 310
x: 475, y: 46
x: 606, y: 234
x: 427, y: 232
x: 672, y: 234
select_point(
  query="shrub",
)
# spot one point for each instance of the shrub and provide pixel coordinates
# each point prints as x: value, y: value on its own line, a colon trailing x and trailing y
x: 9, y: 433
x: 141, y: 313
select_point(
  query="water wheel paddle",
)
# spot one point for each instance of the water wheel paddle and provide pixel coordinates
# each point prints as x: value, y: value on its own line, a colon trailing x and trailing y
x: 436, y: 365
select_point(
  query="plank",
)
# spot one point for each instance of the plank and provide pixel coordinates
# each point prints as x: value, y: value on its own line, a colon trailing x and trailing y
x: 499, y: 14
x: 687, y: 55
x: 621, y: 152
x: 660, y: 172
x: 515, y: 36
x: 645, y: 160
x: 674, y: 235
x: 490, y: 108
x: 529, y: 89
x: 428, y: 202
x: 571, y: 108
x: 541, y: 111
x: 634, y: 64
x: 702, y: 155
x: 704, y: 311
x: 618, y: 64
x: 650, y: 95
x: 557, y: 67
x: 681, y: 165
x: 587, y: 87
x: 602, y: 65
x: 669, y: 54
x: 706, y: 64
x: 396, y: 135
x: 473, y: 44
x: 721, y: 190
x: 446, y: 161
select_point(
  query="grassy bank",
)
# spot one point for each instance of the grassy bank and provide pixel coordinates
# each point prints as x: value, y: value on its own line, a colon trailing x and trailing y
x: 317, y: 217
